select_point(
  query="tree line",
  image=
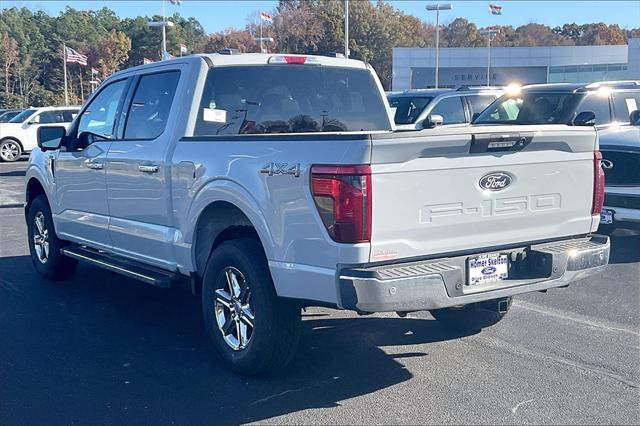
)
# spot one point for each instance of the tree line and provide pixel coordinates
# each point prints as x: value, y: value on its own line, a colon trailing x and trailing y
x: 31, y: 42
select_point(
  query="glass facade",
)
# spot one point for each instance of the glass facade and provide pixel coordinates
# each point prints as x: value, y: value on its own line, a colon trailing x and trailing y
x: 587, y: 73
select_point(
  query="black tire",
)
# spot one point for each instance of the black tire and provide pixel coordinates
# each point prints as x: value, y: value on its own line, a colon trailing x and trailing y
x: 10, y: 150
x: 472, y: 317
x: 275, y: 332
x: 55, y: 266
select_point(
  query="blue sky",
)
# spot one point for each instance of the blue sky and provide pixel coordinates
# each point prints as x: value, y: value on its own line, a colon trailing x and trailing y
x: 219, y: 14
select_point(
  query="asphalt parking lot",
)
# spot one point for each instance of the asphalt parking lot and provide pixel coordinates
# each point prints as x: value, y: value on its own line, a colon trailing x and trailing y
x: 102, y: 349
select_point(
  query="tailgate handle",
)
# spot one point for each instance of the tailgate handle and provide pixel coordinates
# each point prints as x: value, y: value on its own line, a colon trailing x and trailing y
x: 498, y: 142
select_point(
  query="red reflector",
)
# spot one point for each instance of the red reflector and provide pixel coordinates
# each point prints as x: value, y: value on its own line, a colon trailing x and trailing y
x: 295, y: 59
x: 598, y: 184
x: 342, y: 195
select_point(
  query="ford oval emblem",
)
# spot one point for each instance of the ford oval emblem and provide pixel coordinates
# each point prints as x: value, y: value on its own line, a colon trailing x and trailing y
x: 496, y: 181
x: 488, y: 270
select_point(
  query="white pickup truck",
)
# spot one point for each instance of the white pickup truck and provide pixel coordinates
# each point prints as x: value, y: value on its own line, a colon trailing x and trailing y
x: 275, y: 182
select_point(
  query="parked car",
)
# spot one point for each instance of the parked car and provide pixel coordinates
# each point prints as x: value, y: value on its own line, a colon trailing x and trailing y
x: 610, y: 102
x: 621, y: 163
x: 273, y: 182
x: 426, y: 108
x: 8, y: 114
x: 19, y: 135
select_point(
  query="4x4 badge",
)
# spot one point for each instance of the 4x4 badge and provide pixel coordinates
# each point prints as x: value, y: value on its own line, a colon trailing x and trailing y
x: 273, y: 169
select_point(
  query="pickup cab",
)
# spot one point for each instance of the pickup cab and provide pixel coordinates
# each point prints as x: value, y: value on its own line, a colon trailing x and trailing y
x: 275, y: 182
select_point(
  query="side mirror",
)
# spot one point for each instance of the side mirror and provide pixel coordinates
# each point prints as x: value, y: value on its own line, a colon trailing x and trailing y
x: 474, y: 116
x: 433, y: 120
x: 50, y: 137
x: 585, y: 118
x: 634, y: 118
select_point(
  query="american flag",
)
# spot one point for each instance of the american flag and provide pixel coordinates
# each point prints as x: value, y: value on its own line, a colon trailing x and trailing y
x: 266, y: 17
x: 495, y: 9
x: 75, y: 57
x: 146, y: 61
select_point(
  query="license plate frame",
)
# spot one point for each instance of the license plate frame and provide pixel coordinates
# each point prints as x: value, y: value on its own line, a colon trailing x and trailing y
x: 487, y: 269
x: 606, y: 217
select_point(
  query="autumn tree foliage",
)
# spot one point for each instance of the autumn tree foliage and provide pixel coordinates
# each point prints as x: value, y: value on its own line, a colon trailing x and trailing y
x: 31, y: 42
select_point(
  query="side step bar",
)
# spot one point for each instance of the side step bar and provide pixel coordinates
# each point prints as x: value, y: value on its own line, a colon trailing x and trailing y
x: 132, y: 269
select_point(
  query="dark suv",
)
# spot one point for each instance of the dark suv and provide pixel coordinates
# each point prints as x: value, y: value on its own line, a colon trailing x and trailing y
x: 611, y: 103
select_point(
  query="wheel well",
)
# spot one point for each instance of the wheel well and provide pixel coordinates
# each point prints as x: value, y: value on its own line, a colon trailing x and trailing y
x: 34, y: 188
x: 220, y: 221
x: 13, y: 139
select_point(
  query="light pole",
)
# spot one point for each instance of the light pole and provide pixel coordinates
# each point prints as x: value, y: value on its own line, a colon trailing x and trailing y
x: 163, y: 25
x: 263, y: 40
x: 346, y: 29
x: 438, y: 8
x: 489, y: 33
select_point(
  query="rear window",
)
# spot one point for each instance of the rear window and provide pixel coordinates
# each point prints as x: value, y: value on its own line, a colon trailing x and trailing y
x: 268, y: 99
x: 408, y: 108
x: 531, y: 108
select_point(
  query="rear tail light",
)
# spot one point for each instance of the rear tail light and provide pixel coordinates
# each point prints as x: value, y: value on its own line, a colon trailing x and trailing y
x: 342, y: 195
x: 598, y: 184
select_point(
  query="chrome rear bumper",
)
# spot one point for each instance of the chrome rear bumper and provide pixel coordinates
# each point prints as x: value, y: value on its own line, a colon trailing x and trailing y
x: 441, y: 283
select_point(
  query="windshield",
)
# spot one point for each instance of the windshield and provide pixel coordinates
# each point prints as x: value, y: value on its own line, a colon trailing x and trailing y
x: 531, y: 108
x: 8, y: 115
x: 408, y: 108
x: 23, y: 115
x: 290, y: 99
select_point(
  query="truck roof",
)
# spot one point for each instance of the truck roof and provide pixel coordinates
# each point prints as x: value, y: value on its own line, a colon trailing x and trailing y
x: 264, y: 58
x: 220, y: 59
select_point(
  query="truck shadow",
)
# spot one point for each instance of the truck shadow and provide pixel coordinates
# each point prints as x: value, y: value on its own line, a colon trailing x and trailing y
x: 100, y: 348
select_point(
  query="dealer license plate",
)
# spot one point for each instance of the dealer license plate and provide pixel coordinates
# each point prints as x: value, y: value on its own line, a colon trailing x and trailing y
x: 606, y: 217
x: 487, y: 268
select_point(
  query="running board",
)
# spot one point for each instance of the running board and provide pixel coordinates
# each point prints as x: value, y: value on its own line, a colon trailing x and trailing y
x: 118, y: 264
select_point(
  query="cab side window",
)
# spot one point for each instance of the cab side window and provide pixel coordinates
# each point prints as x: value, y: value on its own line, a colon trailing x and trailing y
x: 624, y: 103
x: 599, y: 105
x: 99, y: 117
x: 48, y: 117
x: 451, y: 110
x: 477, y: 103
x: 68, y: 115
x: 151, y: 105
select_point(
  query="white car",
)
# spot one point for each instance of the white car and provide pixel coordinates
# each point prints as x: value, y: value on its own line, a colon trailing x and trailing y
x: 20, y: 134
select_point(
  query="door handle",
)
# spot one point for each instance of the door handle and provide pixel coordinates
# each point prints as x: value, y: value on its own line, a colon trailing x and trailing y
x: 94, y: 166
x: 148, y: 169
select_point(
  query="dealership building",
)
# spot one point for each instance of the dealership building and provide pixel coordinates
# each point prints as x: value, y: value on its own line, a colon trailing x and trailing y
x: 414, y: 68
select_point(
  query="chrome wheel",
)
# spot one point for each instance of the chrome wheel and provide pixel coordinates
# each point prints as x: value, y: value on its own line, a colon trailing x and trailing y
x: 41, y: 238
x: 233, y: 311
x: 9, y: 151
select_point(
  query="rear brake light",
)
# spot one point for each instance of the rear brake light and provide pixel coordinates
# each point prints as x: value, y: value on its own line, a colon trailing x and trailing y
x: 342, y: 195
x: 289, y: 59
x: 598, y: 184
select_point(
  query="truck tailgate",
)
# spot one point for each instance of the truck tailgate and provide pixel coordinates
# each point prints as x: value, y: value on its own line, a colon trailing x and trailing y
x: 448, y: 190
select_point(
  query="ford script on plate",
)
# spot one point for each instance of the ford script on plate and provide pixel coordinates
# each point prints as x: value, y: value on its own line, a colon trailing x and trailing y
x: 487, y: 268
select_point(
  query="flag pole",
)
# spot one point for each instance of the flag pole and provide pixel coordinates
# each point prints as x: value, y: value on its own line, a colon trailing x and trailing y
x: 81, y: 88
x: 64, y: 66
